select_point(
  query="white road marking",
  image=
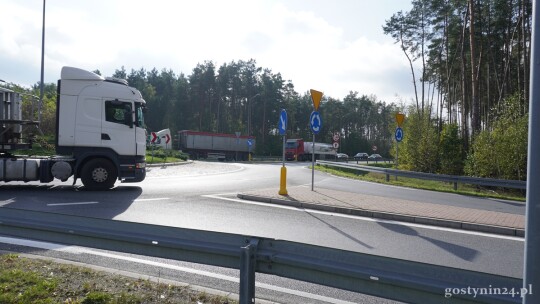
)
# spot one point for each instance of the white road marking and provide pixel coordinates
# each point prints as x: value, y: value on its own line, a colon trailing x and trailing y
x: 81, y: 250
x: 70, y: 204
x: 202, y: 175
x: 369, y: 219
x: 152, y: 199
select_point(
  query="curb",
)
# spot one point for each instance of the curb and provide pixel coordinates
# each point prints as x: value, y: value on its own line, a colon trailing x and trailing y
x: 500, y: 230
x: 169, y: 164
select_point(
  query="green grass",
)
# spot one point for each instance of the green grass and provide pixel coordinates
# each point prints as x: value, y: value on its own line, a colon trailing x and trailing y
x: 36, y: 281
x: 464, y: 189
x: 157, y: 156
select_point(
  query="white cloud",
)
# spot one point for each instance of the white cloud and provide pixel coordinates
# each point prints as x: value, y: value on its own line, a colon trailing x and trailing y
x: 305, y: 46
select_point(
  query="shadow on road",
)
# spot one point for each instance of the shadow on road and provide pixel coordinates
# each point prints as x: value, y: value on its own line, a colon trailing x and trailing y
x: 462, y: 252
x: 341, y: 232
x: 71, y: 200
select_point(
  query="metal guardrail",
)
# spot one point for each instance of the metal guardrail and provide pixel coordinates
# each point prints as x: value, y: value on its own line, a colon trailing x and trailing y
x: 490, y: 182
x: 391, y: 278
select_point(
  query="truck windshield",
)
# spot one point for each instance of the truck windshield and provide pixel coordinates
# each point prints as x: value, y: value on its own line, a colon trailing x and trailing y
x: 291, y: 145
x: 139, y: 115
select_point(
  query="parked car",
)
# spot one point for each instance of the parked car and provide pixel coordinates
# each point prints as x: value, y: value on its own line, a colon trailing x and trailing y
x: 342, y: 156
x: 374, y: 157
x: 360, y: 156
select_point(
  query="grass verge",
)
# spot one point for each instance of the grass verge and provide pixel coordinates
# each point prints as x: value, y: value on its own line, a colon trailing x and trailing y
x: 465, y: 189
x: 24, y: 280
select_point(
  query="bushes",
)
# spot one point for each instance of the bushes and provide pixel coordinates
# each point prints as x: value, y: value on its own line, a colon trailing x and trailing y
x: 501, y: 152
x: 450, y: 151
x: 419, y: 150
x: 165, y: 155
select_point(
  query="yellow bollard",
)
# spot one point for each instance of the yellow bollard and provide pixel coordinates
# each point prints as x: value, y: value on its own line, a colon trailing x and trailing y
x: 283, y: 181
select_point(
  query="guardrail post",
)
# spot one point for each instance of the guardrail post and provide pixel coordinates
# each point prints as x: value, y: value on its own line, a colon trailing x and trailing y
x: 387, y: 177
x: 247, y: 272
x: 455, y: 186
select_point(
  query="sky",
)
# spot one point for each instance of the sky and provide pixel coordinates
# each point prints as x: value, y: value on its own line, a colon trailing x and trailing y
x: 333, y: 46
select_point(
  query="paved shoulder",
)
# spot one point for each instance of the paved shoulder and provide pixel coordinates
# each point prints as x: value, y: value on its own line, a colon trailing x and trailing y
x: 394, y: 209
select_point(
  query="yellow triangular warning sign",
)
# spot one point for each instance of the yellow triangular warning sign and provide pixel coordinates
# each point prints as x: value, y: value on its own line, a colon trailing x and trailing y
x: 399, y: 119
x: 316, y: 96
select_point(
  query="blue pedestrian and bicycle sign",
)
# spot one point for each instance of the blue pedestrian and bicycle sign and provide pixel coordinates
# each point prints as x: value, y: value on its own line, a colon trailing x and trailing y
x: 399, y: 134
x: 282, y: 125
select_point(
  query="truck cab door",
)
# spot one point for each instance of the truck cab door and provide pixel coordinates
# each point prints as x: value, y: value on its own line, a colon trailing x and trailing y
x: 117, y: 129
x: 140, y: 129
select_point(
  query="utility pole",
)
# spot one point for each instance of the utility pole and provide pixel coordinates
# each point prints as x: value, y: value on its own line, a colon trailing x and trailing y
x: 42, y: 64
x: 531, y: 267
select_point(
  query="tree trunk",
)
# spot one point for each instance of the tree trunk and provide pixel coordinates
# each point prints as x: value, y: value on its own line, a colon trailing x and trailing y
x: 464, y: 103
x: 476, y: 116
x: 412, y: 71
x: 525, y: 35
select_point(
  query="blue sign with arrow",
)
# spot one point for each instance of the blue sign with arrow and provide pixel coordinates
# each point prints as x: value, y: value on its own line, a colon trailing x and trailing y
x: 250, y: 142
x: 282, y: 125
x: 399, y: 134
x: 315, y: 122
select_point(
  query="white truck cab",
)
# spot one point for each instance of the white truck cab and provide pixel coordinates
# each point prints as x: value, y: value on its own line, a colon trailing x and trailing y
x: 100, y: 134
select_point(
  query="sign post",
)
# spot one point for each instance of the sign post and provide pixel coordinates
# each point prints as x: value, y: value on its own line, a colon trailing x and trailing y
x: 335, y: 144
x: 237, y: 143
x: 250, y: 144
x: 282, y: 126
x: 315, y: 122
x: 399, y: 134
x: 399, y: 138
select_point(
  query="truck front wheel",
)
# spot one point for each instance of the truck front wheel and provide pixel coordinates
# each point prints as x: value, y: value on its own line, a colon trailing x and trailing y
x: 98, y: 174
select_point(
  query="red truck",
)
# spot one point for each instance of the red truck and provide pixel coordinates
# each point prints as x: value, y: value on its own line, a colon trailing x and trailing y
x: 297, y: 149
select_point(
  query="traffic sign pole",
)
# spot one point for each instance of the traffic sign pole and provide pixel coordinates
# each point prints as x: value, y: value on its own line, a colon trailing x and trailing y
x: 397, y: 155
x: 249, y: 143
x: 398, y: 135
x: 284, y: 143
x: 237, y: 143
x: 399, y: 138
x: 316, y: 126
x: 283, y: 174
x: 313, y: 162
x: 282, y: 126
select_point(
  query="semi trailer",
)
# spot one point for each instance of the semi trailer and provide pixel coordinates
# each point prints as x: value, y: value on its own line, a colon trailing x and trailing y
x: 207, y: 145
x: 100, y: 133
x: 298, y: 149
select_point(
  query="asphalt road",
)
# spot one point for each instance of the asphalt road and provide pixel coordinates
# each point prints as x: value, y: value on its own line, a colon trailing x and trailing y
x: 203, y: 196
